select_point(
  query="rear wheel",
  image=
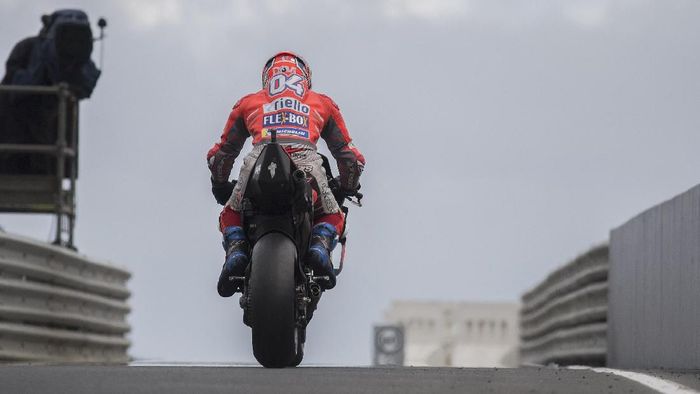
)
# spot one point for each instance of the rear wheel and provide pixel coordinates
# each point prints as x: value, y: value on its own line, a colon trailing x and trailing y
x: 272, y: 302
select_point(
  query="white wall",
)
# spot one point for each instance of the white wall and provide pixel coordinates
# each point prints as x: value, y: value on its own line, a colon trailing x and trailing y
x: 461, y: 334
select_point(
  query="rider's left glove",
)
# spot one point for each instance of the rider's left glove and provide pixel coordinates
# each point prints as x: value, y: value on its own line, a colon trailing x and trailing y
x: 222, y: 191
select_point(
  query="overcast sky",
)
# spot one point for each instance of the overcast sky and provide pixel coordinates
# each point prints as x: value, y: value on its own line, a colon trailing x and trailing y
x: 502, y: 138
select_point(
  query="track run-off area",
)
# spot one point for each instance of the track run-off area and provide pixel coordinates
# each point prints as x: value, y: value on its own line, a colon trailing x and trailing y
x: 176, y: 378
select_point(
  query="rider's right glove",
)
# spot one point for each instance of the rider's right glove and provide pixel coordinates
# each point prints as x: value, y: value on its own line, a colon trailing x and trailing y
x: 341, y: 193
x: 222, y: 191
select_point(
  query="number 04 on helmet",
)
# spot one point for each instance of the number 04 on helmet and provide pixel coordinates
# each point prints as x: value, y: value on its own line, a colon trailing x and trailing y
x: 288, y: 63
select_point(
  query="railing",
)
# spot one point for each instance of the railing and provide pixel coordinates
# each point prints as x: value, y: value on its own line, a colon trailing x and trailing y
x: 57, y: 305
x: 564, y: 318
x: 46, y: 193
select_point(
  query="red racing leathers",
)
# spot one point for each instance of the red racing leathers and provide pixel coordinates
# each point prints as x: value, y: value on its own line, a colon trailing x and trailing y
x: 300, y: 119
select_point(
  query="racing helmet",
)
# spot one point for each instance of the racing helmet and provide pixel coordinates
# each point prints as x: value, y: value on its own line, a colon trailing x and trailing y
x: 288, y: 63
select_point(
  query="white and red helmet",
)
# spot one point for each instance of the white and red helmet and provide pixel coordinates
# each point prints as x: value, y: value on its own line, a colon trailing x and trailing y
x: 286, y: 63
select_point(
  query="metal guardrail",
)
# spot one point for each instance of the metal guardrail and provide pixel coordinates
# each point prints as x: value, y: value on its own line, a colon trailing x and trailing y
x: 57, y: 305
x: 564, y: 318
x: 42, y: 193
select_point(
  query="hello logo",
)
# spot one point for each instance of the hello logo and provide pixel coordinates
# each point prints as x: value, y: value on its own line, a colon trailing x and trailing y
x: 286, y: 103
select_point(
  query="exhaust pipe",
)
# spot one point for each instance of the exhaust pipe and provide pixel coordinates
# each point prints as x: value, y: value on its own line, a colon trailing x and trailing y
x: 301, y: 187
x: 299, y: 176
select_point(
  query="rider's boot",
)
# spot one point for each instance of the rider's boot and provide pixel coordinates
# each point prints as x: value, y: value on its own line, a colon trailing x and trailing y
x: 323, y: 241
x: 237, y: 249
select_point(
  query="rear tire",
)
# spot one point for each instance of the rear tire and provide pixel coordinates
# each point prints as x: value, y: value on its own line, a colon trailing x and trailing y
x: 301, y: 334
x: 272, y: 301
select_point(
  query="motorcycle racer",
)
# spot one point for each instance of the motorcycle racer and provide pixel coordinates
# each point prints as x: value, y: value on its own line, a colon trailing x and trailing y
x: 300, y: 116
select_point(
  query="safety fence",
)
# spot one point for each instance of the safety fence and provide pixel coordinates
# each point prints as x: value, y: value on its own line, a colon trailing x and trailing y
x: 58, y: 305
x: 653, y: 313
x: 564, y: 318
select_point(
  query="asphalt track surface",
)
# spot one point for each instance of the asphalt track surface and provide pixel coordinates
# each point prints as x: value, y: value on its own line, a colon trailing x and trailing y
x: 310, y: 380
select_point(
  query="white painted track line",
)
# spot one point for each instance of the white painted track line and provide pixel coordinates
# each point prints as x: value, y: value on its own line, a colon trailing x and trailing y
x: 661, y: 385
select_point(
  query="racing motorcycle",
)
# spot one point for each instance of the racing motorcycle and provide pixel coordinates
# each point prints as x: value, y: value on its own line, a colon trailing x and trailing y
x: 280, y: 291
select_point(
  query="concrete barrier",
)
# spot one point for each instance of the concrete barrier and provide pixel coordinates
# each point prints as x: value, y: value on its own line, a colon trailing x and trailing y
x: 563, y: 319
x: 57, y: 305
x: 654, y: 310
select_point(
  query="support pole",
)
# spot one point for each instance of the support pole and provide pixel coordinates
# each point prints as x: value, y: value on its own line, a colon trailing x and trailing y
x: 75, y: 107
x: 63, y: 94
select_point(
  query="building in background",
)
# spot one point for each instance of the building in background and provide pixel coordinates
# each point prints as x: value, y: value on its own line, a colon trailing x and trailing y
x: 459, y: 334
